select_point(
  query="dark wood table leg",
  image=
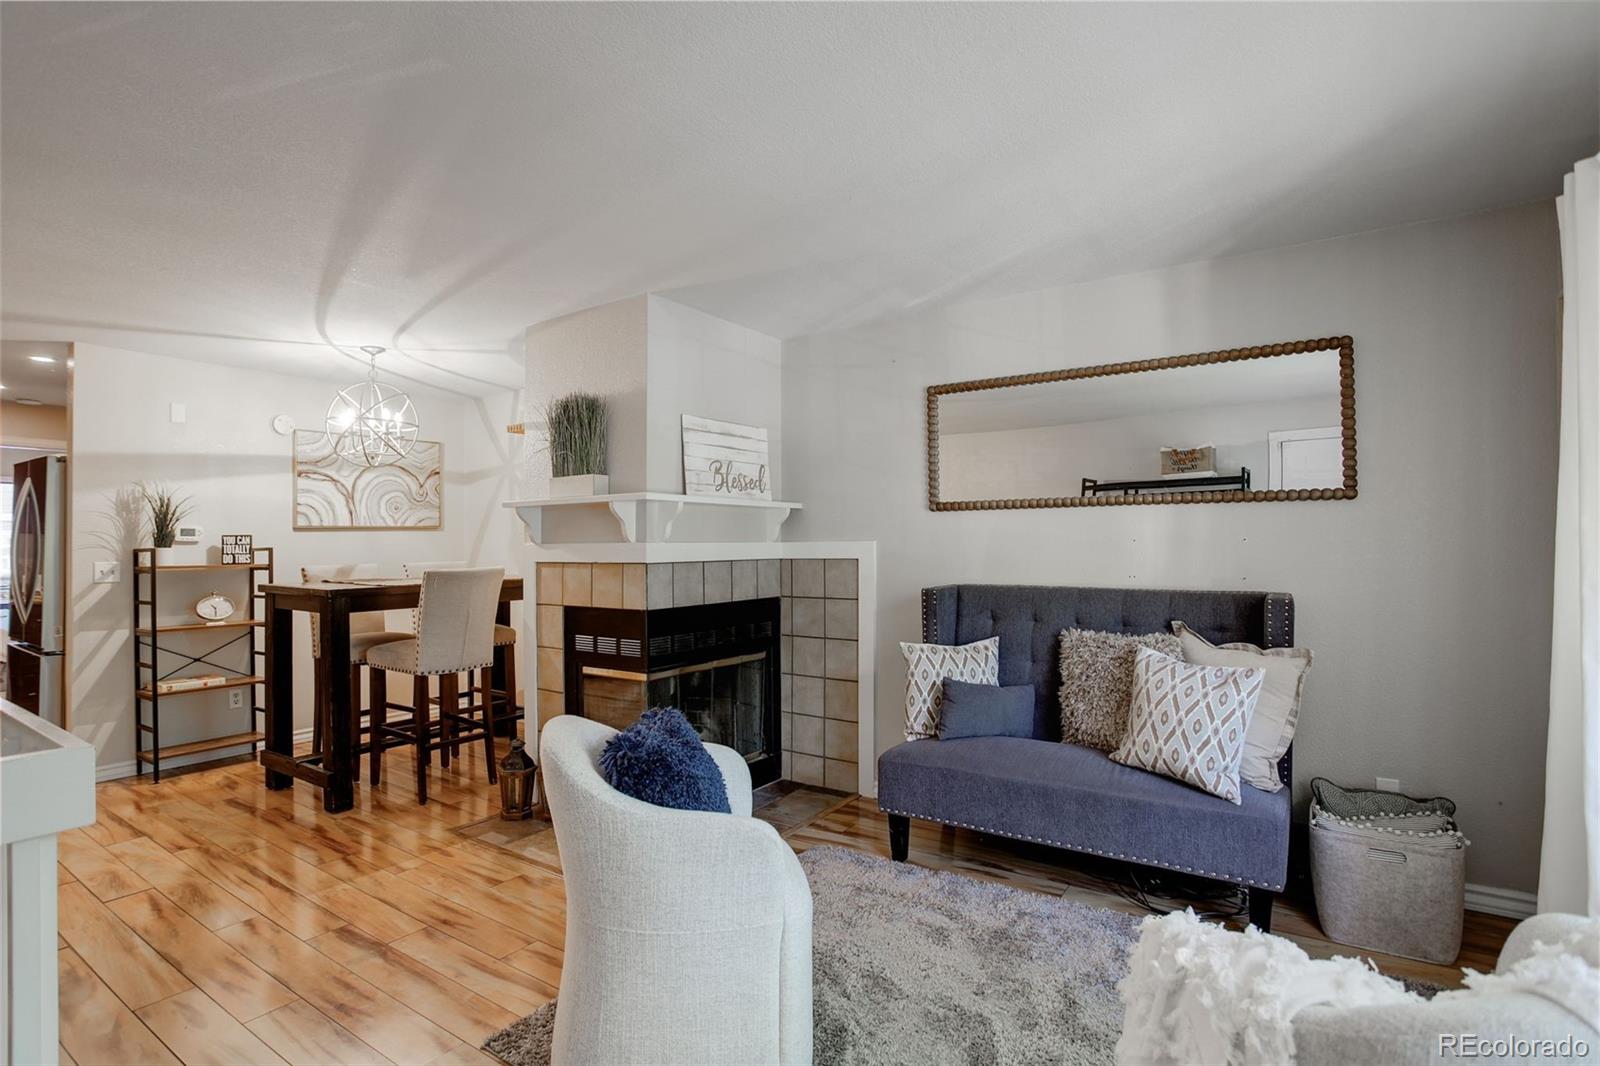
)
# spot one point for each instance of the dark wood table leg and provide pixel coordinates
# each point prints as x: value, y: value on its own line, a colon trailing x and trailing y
x: 338, y: 752
x: 506, y: 726
x: 280, y: 688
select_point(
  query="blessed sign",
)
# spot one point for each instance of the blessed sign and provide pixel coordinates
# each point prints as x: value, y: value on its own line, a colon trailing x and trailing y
x: 724, y: 459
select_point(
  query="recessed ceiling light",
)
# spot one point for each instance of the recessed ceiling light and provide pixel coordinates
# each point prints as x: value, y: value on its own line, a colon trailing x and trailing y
x: 42, y: 358
x: 23, y: 401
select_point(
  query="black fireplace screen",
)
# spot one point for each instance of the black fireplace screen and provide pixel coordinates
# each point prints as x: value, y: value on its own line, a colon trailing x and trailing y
x: 722, y: 700
x: 717, y: 663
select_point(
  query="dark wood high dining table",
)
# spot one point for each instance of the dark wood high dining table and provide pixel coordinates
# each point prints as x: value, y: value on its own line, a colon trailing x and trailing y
x: 333, y: 602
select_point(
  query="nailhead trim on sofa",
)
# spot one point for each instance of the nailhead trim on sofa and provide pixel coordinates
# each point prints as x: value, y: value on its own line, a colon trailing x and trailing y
x: 1216, y: 875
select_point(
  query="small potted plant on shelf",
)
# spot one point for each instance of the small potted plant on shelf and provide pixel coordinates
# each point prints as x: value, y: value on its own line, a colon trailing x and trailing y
x: 577, y: 427
x: 167, y: 510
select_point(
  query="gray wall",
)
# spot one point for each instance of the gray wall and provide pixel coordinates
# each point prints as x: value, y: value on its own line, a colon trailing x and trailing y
x: 1427, y: 599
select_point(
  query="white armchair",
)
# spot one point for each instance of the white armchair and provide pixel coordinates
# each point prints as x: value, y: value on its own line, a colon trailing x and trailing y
x: 688, y: 933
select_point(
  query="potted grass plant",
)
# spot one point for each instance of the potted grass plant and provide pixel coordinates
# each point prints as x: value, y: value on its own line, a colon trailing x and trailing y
x: 166, y: 511
x: 577, y: 427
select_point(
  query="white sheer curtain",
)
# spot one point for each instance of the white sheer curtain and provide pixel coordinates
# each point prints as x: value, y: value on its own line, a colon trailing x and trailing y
x: 1569, y: 866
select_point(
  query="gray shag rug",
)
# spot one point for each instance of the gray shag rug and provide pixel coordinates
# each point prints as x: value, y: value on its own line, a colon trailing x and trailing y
x: 916, y: 966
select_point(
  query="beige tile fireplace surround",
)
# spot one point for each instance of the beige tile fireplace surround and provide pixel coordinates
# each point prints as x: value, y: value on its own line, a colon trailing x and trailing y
x: 821, y: 625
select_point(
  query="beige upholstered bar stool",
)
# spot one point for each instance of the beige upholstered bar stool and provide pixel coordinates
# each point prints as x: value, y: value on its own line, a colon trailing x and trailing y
x: 503, y: 701
x: 454, y: 635
x: 368, y: 629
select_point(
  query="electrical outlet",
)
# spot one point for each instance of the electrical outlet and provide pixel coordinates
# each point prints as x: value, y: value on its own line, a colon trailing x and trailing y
x: 236, y: 698
x: 107, y: 573
x: 1388, y: 784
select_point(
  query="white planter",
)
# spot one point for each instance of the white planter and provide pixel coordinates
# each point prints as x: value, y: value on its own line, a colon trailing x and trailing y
x: 181, y: 555
x: 580, y: 485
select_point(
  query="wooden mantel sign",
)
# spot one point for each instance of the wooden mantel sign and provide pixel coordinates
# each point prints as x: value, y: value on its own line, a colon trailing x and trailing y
x: 725, y: 459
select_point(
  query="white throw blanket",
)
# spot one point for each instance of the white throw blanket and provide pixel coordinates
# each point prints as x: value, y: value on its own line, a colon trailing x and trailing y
x: 1200, y: 993
x: 1197, y: 993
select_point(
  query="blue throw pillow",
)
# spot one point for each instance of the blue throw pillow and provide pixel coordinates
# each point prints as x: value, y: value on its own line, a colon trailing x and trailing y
x: 971, y: 710
x: 659, y: 759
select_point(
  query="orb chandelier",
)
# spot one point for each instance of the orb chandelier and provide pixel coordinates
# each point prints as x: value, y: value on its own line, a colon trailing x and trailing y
x: 371, y: 423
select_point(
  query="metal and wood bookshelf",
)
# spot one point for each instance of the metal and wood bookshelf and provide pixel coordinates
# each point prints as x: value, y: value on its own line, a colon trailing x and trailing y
x: 152, y: 639
x: 1095, y: 487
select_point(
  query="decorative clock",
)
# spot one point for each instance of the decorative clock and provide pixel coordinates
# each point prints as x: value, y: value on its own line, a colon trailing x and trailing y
x: 214, y: 608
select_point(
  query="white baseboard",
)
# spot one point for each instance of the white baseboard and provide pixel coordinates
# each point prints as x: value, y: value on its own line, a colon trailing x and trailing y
x: 116, y: 771
x: 1506, y: 902
x: 113, y: 771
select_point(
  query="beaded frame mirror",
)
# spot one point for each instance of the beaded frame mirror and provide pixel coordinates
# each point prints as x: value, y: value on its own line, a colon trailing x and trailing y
x: 1169, y: 488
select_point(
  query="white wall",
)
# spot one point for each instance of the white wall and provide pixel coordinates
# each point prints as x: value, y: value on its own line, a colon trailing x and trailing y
x: 1427, y: 599
x: 599, y: 350
x: 227, y: 458
x: 701, y: 365
x: 654, y: 361
x: 1010, y: 464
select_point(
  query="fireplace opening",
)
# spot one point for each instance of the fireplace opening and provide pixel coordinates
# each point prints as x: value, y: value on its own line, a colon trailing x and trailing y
x: 717, y: 663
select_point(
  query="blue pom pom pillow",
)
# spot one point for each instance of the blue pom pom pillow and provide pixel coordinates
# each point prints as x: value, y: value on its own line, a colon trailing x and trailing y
x: 659, y: 759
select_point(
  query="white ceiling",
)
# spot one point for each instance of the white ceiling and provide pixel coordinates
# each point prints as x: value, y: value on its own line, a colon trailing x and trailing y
x: 26, y: 378
x: 256, y: 183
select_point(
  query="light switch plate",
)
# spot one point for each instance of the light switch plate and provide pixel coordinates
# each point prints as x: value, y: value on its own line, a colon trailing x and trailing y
x: 107, y: 573
x: 178, y: 412
x: 1388, y: 784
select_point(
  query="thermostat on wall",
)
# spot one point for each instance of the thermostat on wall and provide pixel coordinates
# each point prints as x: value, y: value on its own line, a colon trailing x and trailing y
x: 188, y: 535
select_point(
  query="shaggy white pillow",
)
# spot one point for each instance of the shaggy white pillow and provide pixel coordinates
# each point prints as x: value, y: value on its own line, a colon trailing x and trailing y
x: 1097, y: 682
x: 1196, y: 992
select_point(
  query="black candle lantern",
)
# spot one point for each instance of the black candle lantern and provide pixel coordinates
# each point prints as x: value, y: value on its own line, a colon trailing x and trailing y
x: 518, y: 783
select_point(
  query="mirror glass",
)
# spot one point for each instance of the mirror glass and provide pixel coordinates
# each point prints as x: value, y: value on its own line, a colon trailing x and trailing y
x: 1248, y: 425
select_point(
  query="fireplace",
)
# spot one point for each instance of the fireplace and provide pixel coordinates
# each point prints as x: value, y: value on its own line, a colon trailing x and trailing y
x: 718, y: 663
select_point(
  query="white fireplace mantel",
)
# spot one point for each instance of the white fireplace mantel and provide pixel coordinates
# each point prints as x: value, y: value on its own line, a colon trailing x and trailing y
x: 651, y: 518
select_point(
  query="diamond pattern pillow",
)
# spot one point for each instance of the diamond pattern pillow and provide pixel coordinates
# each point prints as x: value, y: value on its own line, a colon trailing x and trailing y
x: 1272, y: 724
x: 927, y: 666
x: 1188, y: 722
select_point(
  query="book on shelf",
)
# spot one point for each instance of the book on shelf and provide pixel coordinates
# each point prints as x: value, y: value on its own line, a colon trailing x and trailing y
x: 189, y: 684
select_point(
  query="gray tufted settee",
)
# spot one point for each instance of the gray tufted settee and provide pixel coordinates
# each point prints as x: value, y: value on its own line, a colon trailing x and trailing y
x: 1073, y: 797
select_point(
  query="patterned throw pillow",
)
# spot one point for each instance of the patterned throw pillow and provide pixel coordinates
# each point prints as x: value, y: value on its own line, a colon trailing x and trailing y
x: 927, y: 665
x: 1273, y: 723
x: 1188, y: 722
x: 1097, y: 682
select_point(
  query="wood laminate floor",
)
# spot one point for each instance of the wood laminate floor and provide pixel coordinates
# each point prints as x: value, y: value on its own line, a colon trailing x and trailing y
x: 207, y: 920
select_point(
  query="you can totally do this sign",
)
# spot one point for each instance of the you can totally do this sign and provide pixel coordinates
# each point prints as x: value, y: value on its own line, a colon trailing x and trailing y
x: 724, y: 459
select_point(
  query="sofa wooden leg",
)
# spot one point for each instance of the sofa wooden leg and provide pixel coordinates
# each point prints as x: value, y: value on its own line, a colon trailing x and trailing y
x: 1261, y: 908
x: 899, y: 836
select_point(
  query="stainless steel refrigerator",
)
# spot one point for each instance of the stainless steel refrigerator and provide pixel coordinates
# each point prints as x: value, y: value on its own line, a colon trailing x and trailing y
x: 36, y: 640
